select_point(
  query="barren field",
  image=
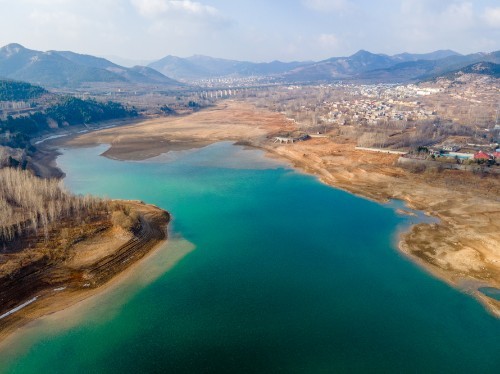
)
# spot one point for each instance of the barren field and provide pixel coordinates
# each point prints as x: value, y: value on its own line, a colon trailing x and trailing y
x: 463, y: 250
x: 227, y: 121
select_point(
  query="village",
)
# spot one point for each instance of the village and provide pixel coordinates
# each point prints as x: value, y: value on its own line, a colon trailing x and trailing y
x: 451, y: 122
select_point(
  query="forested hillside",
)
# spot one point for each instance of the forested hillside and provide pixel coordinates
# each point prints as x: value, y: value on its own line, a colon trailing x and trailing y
x: 68, y: 111
x: 17, y: 91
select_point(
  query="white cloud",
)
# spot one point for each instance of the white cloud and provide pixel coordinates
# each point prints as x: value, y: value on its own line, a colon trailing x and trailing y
x: 157, y: 8
x: 459, y: 15
x: 430, y: 15
x: 65, y: 24
x: 47, y: 2
x: 328, y: 41
x: 492, y: 17
x: 59, y: 28
x: 327, y: 5
x: 249, y: 29
x: 426, y: 22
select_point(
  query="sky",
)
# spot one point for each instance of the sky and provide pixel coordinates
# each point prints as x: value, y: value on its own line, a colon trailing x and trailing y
x: 253, y: 30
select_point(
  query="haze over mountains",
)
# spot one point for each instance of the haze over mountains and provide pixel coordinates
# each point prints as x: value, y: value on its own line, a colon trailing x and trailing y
x: 203, y: 67
x: 69, y: 69
x: 363, y: 65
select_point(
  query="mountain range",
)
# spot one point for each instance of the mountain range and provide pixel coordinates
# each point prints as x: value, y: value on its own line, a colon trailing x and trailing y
x: 69, y: 69
x: 418, y: 70
x: 204, y: 67
x: 361, y: 66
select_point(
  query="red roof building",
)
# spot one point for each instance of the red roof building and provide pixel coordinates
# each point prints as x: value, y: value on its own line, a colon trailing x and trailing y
x: 496, y: 155
x: 481, y: 156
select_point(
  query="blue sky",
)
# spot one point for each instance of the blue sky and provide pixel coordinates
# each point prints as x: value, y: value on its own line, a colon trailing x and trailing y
x: 256, y: 30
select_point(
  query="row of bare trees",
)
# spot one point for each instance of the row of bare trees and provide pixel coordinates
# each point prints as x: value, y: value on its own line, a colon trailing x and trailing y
x: 31, y: 204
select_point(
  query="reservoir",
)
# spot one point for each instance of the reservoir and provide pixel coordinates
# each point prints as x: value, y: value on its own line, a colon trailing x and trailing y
x: 266, y: 270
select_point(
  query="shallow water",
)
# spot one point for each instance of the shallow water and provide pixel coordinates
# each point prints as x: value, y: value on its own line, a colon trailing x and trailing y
x: 492, y: 292
x: 287, y: 275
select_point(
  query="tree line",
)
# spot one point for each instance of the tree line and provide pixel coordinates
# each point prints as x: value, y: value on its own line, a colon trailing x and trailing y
x: 30, y: 205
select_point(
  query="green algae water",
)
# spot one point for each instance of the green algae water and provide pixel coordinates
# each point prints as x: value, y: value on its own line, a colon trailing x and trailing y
x: 283, y: 274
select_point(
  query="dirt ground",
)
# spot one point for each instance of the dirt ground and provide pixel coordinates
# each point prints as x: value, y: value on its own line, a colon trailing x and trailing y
x: 227, y: 121
x: 463, y: 249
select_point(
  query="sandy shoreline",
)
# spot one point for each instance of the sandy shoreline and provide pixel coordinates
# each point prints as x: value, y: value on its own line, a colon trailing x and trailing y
x: 464, y: 248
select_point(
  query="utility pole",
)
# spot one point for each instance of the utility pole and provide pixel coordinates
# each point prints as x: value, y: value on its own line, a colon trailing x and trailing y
x: 498, y: 108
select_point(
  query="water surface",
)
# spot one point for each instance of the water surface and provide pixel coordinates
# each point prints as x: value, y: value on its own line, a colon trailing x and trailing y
x: 287, y: 275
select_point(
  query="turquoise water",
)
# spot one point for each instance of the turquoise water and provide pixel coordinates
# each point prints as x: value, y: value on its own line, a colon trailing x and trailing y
x: 492, y: 292
x: 287, y: 275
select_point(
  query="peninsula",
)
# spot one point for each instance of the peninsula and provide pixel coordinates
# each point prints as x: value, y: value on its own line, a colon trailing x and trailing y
x: 59, y: 248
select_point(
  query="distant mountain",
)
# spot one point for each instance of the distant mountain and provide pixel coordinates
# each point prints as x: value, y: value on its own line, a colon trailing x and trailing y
x: 360, y: 61
x: 402, y: 72
x: 63, y: 69
x: 127, y: 62
x: 136, y: 74
x: 481, y: 68
x: 363, y: 63
x: 69, y: 69
x: 180, y: 68
x: 204, y: 67
x: 423, y: 70
x: 437, y: 55
x: 339, y: 67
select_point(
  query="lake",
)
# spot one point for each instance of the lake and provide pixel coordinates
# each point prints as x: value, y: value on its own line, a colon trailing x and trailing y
x: 266, y: 270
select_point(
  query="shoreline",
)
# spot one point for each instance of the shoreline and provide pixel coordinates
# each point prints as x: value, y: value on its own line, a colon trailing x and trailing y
x: 403, y: 247
x: 43, y: 162
x: 462, y: 248
x: 67, y: 289
x: 371, y: 176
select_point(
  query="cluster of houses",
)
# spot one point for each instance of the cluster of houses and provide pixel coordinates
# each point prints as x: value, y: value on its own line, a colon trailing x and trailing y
x: 452, y: 151
x: 487, y: 156
x: 374, y: 111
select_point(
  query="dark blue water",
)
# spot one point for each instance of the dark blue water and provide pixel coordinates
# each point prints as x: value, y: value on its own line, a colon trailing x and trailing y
x: 287, y: 275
